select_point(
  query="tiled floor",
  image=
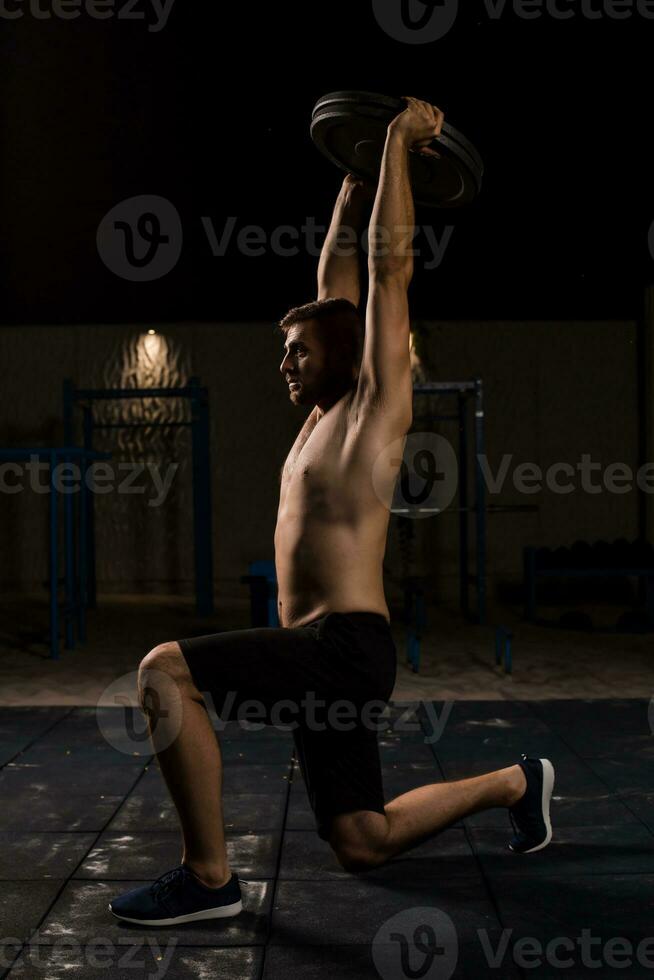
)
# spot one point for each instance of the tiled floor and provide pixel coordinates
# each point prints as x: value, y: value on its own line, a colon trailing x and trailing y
x: 82, y: 821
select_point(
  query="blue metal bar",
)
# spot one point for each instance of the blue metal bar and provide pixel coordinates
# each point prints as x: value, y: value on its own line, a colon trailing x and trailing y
x: 202, y: 524
x: 69, y: 555
x: 89, y: 503
x: 54, y: 563
x: 508, y: 658
x: 142, y: 425
x: 529, y: 558
x: 444, y: 387
x: 463, y: 505
x: 69, y: 404
x: 82, y: 557
x: 45, y: 452
x: 108, y: 394
x: 480, y: 501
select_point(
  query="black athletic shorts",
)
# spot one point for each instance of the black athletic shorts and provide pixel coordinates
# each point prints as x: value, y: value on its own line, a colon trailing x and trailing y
x: 327, y: 681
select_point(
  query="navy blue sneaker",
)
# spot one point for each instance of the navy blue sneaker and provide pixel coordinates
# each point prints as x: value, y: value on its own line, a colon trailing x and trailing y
x: 530, y: 816
x: 178, y: 896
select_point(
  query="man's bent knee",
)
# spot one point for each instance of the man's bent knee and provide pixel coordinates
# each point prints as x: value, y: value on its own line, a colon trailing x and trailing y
x: 357, y: 841
x: 357, y: 858
x: 164, y: 670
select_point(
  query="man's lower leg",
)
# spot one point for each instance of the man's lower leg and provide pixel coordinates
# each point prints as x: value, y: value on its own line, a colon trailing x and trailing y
x: 419, y: 814
x: 189, y: 756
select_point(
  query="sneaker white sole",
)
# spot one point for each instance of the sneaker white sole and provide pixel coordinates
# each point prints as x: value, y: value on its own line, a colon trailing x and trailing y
x: 548, y: 787
x: 224, y: 912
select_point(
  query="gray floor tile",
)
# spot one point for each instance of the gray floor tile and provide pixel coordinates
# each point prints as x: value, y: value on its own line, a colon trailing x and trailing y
x: 379, y: 962
x: 145, y: 856
x: 63, y: 781
x: 555, y: 905
x: 150, y: 958
x: 23, y: 904
x: 33, y: 856
x: 353, y: 911
x: 63, y: 757
x: 574, y: 851
x: 624, y: 774
x: 43, y: 812
x: 81, y: 913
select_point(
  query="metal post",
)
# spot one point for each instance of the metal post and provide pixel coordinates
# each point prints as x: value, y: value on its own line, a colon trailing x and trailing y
x: 530, y: 583
x: 480, y: 500
x: 69, y: 404
x: 54, y: 563
x: 464, y: 570
x: 89, y: 503
x: 202, y: 524
x: 69, y: 556
x: 82, y: 555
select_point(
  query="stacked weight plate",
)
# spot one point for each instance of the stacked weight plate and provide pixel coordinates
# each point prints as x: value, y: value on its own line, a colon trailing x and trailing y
x: 349, y: 128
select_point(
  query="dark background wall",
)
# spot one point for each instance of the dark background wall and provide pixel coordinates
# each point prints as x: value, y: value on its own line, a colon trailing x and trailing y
x: 212, y: 112
x: 553, y: 392
x: 540, y: 292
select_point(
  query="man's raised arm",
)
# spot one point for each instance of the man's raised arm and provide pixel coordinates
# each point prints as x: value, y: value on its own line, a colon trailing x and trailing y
x: 385, y: 366
x: 338, y: 269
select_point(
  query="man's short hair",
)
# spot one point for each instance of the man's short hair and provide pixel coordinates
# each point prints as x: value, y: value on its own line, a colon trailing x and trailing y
x: 340, y: 317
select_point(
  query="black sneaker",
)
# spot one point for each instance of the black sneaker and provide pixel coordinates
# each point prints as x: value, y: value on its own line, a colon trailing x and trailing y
x: 530, y: 816
x: 178, y: 896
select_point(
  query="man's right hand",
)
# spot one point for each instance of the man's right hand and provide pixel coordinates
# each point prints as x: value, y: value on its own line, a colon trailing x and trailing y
x: 418, y: 124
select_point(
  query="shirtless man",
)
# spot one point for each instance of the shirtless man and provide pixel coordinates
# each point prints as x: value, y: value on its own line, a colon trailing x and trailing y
x: 334, y: 641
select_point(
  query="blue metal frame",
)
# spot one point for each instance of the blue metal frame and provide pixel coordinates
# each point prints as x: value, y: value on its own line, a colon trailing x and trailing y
x: 503, y: 640
x: 74, y: 596
x: 467, y: 392
x: 201, y: 470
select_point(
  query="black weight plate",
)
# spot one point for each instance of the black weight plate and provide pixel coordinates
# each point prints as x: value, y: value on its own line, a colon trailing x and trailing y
x: 350, y: 130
